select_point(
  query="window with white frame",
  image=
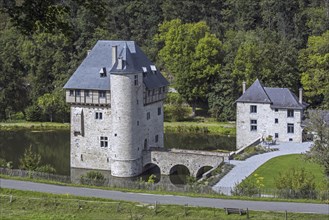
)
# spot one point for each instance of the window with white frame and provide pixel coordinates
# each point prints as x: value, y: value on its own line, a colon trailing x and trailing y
x: 77, y: 92
x: 290, y: 128
x: 71, y: 92
x: 290, y: 113
x: 253, y: 125
x: 253, y: 109
x: 103, y: 141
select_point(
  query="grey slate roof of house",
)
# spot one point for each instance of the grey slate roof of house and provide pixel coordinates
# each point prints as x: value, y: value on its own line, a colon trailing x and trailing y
x: 277, y: 97
x: 87, y: 75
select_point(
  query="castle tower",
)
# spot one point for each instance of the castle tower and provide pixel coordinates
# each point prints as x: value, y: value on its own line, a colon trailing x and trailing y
x: 116, y: 98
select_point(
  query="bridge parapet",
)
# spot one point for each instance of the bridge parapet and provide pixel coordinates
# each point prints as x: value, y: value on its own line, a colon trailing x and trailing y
x: 193, y: 160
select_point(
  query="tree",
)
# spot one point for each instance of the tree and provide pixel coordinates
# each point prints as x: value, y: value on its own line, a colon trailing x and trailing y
x: 314, y: 64
x: 53, y: 104
x: 13, y: 89
x: 319, y: 151
x: 192, y: 55
x: 30, y: 160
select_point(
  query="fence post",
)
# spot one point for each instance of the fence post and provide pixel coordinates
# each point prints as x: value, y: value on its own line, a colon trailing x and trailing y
x: 286, y: 215
x: 118, y: 207
x: 185, y: 209
x: 247, y: 213
x: 10, y: 198
x: 156, y: 207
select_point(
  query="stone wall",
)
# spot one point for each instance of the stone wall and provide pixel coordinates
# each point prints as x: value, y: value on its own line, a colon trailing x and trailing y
x: 266, y: 125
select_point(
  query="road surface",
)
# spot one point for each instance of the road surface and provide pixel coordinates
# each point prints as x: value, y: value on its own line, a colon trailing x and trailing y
x: 166, y: 199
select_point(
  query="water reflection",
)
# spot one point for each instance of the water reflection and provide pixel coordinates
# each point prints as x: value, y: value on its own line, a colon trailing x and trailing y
x: 54, y: 146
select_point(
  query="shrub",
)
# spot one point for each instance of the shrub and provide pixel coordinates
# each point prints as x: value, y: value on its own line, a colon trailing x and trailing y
x: 296, y: 183
x: 6, y: 164
x: 95, y: 175
x: 46, y: 169
x: 33, y: 113
x: 176, y: 112
x: 30, y: 160
x: 249, y: 186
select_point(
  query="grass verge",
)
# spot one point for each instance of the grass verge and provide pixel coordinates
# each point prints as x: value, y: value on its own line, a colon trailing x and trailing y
x: 33, y: 205
x: 189, y: 194
x: 224, y: 128
x: 12, y: 126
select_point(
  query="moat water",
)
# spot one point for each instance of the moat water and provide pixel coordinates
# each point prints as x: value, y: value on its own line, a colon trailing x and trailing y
x: 54, y: 146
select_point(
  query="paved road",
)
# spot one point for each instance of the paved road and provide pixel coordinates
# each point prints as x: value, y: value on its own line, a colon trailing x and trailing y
x: 166, y: 199
x: 243, y: 169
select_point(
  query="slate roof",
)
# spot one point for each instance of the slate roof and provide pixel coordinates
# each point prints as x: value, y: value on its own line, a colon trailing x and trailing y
x: 87, y: 75
x: 277, y: 97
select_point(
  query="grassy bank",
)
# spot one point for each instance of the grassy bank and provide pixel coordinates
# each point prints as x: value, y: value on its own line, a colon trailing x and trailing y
x: 32, y: 205
x: 224, y: 128
x: 8, y: 126
x: 271, y: 169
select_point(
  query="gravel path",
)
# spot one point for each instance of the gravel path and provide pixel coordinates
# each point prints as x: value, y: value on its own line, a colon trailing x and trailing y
x: 243, y: 169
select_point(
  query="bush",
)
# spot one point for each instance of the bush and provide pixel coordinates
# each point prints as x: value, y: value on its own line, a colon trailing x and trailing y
x: 176, y: 112
x: 94, y: 175
x: 46, y: 169
x: 30, y: 160
x: 6, y: 164
x: 33, y: 113
x: 249, y: 186
x: 295, y: 184
x: 174, y: 99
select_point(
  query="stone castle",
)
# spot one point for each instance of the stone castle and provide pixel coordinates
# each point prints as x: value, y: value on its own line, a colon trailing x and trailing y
x: 116, y: 97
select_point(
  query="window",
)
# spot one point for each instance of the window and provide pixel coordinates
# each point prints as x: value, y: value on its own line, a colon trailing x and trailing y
x: 253, y: 109
x: 290, y: 139
x: 87, y: 93
x: 160, y: 90
x: 156, y: 138
x: 77, y: 92
x: 71, y: 92
x: 104, y: 142
x: 276, y: 121
x: 99, y: 115
x: 159, y: 111
x: 290, y: 113
x: 164, y: 89
x: 148, y: 115
x: 81, y: 157
x: 153, y: 91
x: 276, y: 135
x: 253, y: 125
x: 137, y: 123
x: 276, y: 110
x: 148, y: 92
x: 101, y: 94
x: 102, y: 72
x: 290, y: 128
x: 136, y: 80
x: 145, y: 144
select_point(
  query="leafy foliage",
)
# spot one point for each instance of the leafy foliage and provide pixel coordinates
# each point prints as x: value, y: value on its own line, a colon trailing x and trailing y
x: 30, y: 160
x: 249, y: 187
x: 296, y: 183
x: 319, y: 151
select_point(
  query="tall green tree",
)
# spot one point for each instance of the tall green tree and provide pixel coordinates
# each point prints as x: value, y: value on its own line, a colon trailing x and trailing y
x: 314, y: 64
x: 13, y: 86
x: 192, y: 55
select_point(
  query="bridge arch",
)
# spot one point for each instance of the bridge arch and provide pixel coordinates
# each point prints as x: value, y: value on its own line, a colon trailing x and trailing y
x: 150, y: 169
x: 202, y: 170
x: 178, y: 174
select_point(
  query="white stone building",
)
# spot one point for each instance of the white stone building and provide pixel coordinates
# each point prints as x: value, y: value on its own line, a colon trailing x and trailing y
x: 116, y: 98
x: 264, y: 111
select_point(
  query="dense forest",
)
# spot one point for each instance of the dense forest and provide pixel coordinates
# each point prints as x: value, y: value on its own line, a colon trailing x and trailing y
x: 206, y: 48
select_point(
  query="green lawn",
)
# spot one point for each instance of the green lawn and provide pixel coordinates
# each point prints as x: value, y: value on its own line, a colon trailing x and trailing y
x: 33, y: 125
x: 33, y: 205
x: 271, y: 169
x: 225, y: 128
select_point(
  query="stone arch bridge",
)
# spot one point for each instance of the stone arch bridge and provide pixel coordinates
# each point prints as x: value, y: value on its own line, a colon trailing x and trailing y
x: 191, y: 159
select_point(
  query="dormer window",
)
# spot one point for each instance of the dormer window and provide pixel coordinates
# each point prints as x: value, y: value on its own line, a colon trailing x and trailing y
x: 101, y: 94
x: 144, y: 71
x: 102, y: 72
x: 153, y: 69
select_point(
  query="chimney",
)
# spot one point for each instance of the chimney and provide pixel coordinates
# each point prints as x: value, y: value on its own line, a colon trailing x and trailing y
x: 120, y: 63
x: 243, y: 87
x: 114, y: 54
x: 301, y: 95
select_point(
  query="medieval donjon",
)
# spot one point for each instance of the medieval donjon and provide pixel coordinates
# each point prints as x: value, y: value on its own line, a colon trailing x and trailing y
x: 116, y: 98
